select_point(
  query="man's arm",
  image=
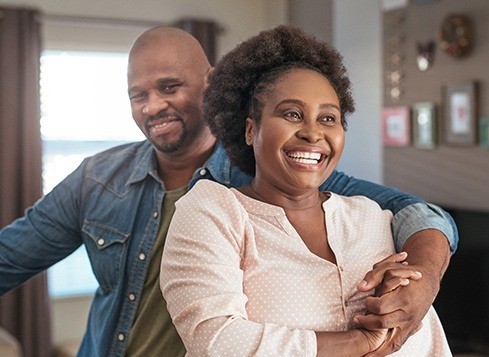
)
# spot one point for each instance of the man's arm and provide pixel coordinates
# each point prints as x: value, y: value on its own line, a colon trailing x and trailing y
x: 427, y: 234
x: 411, y: 213
x: 46, y: 234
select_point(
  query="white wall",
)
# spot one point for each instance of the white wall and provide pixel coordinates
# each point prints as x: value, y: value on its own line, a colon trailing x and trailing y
x: 357, y: 35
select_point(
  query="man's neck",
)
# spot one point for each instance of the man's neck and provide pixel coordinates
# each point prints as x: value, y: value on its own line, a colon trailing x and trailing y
x: 177, y: 170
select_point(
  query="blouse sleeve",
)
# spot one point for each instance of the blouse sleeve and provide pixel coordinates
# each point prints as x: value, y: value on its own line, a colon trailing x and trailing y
x: 202, y: 281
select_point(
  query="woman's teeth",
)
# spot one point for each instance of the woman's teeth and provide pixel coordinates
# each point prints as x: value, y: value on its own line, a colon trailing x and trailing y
x: 305, y: 157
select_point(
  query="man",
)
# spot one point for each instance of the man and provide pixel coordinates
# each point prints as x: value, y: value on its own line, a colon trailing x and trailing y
x: 119, y: 204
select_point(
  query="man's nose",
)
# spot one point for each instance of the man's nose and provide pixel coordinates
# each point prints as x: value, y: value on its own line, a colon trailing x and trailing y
x: 154, y: 105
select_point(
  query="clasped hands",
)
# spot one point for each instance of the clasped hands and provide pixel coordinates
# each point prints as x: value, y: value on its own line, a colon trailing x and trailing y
x: 396, y: 309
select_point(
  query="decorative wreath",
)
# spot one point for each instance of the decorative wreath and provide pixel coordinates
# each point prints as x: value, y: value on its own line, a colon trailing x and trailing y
x: 456, y: 35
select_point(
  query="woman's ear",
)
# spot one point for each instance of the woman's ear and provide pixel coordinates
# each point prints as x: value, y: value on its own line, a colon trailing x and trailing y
x: 249, y: 131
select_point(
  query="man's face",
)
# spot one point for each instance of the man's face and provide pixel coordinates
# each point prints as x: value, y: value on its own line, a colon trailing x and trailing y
x: 165, y: 89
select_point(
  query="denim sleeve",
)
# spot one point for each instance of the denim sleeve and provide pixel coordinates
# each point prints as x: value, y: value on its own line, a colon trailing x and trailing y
x: 47, y: 233
x: 411, y: 213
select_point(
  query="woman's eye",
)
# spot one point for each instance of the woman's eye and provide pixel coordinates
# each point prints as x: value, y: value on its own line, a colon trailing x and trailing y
x: 329, y: 119
x: 292, y: 116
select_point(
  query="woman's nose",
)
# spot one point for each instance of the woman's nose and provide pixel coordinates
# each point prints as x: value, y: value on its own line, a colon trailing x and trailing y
x: 310, y: 133
x: 154, y: 105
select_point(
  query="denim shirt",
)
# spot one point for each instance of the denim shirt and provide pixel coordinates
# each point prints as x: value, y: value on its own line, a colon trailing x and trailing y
x: 111, y: 203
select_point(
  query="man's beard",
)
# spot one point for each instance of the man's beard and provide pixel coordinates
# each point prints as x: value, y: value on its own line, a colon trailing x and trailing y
x: 172, y: 146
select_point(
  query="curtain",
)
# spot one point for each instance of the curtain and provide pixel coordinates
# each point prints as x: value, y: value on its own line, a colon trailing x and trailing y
x: 205, y: 32
x: 24, y: 312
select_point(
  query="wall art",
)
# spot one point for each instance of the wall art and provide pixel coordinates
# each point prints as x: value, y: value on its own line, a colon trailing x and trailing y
x: 460, y: 113
x: 396, y: 126
x: 424, y: 125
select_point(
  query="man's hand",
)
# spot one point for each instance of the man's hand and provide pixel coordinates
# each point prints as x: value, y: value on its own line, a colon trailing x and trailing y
x: 402, y: 309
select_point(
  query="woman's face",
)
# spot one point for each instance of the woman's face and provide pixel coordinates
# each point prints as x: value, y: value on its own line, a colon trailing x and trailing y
x: 299, y: 139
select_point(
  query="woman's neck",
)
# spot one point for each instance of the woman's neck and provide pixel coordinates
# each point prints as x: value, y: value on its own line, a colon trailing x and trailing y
x: 297, y: 201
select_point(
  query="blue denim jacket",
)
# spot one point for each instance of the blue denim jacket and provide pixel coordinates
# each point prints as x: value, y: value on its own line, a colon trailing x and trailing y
x: 111, y: 204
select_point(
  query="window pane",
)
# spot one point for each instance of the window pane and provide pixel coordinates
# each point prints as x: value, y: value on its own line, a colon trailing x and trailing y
x: 84, y: 110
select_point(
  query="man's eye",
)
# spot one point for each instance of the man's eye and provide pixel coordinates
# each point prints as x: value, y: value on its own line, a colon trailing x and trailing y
x: 169, y: 89
x: 137, y: 96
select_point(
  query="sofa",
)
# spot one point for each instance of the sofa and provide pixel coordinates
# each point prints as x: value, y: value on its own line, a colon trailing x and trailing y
x: 9, y: 346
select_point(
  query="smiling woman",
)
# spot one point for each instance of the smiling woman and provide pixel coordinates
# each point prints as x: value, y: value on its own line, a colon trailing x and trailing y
x: 273, y: 267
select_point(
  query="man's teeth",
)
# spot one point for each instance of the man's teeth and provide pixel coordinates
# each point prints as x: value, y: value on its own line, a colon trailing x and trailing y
x: 305, y: 157
x: 161, y: 125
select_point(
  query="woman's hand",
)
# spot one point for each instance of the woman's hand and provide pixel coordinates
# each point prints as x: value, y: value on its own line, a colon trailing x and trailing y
x: 386, y: 276
x: 389, y: 274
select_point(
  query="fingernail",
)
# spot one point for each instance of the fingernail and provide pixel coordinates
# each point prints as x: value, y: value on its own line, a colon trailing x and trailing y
x: 363, y: 283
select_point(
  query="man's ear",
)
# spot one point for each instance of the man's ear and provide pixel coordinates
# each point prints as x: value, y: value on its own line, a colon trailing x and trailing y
x: 206, y: 77
x: 250, y: 131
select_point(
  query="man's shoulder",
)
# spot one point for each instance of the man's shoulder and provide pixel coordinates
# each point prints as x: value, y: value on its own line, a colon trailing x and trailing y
x: 121, y: 161
x: 120, y: 153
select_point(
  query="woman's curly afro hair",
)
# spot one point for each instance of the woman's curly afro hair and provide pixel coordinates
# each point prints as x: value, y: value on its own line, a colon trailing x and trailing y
x: 238, y: 84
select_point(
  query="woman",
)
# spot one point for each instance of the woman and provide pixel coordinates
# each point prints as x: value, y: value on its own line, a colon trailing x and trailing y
x: 271, y: 269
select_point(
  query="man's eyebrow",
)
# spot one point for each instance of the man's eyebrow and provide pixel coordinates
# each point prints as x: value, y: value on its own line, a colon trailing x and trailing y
x: 168, y: 80
x: 134, y: 89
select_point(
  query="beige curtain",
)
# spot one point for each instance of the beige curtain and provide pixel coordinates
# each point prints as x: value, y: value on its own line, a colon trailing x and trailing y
x: 24, y: 312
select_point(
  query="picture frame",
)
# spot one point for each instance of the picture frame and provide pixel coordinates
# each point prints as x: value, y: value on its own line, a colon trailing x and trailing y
x: 396, y: 126
x: 424, y: 125
x: 484, y: 132
x: 460, y: 113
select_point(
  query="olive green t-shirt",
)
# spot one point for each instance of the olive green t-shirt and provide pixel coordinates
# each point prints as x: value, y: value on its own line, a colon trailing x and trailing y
x: 153, y: 333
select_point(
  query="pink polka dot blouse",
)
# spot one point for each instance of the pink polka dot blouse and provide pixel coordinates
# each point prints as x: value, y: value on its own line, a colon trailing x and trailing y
x: 239, y: 281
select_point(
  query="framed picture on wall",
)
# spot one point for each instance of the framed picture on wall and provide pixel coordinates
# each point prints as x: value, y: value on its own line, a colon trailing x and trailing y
x: 424, y: 125
x: 396, y: 126
x: 484, y: 132
x: 460, y: 113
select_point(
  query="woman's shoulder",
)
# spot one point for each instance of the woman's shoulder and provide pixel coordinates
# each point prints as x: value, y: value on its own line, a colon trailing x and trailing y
x: 357, y: 204
x: 207, y: 191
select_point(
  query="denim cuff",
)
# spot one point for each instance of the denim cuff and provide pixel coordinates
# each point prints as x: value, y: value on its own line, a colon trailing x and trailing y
x: 419, y: 216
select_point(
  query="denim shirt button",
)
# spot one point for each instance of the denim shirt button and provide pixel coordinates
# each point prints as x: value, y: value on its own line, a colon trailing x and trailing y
x: 202, y: 172
x: 155, y: 214
x: 121, y: 337
x: 132, y: 297
x: 142, y: 256
x: 101, y: 242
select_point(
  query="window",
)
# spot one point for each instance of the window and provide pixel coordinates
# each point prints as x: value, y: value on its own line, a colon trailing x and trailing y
x: 84, y: 110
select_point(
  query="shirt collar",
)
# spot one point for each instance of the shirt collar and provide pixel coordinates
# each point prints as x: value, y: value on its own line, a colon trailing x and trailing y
x: 146, y: 165
x: 218, y: 165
